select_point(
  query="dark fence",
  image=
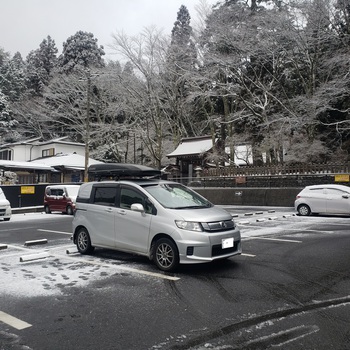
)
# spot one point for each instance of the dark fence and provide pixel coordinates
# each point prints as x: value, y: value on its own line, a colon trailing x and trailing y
x: 21, y: 196
x: 261, y: 181
x: 279, y: 170
x: 273, y: 189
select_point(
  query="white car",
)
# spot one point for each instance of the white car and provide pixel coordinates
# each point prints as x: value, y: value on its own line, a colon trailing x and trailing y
x: 5, y: 207
x: 323, y: 199
x: 165, y: 221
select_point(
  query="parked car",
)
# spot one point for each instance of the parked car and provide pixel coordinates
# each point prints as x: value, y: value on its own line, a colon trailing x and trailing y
x: 60, y: 198
x: 163, y: 220
x: 5, y: 207
x: 323, y: 199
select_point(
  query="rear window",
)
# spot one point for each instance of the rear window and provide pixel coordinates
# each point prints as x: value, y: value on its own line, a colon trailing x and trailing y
x: 56, y: 192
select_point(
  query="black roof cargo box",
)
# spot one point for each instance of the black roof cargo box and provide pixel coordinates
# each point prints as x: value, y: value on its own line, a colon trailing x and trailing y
x: 122, y: 170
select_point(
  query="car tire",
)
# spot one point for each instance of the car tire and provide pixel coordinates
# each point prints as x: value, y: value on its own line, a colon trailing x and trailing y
x: 47, y: 209
x: 83, y: 241
x: 165, y: 254
x: 304, y: 210
x: 69, y: 210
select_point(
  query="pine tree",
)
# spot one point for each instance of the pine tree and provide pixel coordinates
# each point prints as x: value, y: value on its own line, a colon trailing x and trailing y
x: 12, y: 81
x: 182, y: 48
x: 40, y: 65
x: 81, y: 51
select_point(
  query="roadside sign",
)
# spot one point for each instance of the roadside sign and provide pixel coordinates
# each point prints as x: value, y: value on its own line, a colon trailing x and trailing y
x: 27, y: 189
x: 342, y: 178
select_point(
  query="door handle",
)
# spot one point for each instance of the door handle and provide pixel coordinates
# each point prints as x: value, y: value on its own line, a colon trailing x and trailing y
x: 109, y: 210
x: 122, y: 212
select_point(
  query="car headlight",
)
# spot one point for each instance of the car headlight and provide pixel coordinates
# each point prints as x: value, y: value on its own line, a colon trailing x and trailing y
x: 189, y: 225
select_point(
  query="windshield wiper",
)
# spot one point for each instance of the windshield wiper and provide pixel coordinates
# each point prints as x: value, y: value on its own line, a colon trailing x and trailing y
x: 193, y: 207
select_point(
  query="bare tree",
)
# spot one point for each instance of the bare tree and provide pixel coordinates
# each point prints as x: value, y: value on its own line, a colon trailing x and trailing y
x: 147, y: 52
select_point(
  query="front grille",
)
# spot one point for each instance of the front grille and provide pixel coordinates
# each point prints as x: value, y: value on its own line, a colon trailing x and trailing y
x: 217, y: 250
x: 218, y: 225
x: 2, y: 212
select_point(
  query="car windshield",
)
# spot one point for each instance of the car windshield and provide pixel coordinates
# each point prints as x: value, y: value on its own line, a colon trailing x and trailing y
x: 176, y: 196
x: 2, y: 195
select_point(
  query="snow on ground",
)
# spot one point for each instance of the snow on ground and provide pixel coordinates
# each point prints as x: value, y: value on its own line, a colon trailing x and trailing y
x: 53, y: 274
x: 46, y: 276
x: 35, y: 216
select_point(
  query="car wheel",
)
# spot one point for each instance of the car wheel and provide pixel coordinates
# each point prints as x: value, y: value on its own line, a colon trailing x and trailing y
x: 304, y: 210
x: 47, y: 209
x: 165, y: 254
x: 83, y: 241
x: 69, y: 210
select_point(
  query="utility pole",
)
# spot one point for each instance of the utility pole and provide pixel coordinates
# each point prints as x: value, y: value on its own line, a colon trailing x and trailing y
x: 87, y: 127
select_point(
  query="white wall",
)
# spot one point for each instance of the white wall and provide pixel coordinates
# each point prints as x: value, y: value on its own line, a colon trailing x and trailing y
x: 25, y: 153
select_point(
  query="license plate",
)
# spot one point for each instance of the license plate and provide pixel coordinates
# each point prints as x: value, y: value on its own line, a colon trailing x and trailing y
x: 227, y: 243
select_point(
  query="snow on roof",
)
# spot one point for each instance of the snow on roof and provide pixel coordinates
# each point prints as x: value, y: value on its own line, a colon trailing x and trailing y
x: 192, y: 146
x: 24, y: 142
x: 72, y: 161
x: 36, y: 141
x: 9, y: 164
x: 60, y: 140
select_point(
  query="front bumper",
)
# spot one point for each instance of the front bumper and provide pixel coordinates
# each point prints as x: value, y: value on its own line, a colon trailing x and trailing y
x: 193, y: 252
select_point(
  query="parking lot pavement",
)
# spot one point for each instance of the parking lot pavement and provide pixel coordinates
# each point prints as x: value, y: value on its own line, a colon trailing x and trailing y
x: 250, y: 216
x: 268, y: 221
x: 49, y: 268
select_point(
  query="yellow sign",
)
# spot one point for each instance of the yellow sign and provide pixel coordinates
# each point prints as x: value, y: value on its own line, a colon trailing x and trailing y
x: 27, y: 189
x: 342, y: 178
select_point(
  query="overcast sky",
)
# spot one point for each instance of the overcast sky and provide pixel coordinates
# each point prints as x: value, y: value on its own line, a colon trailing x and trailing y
x: 24, y: 24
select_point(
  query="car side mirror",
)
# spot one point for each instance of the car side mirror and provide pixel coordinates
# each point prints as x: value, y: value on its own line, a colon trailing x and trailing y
x: 137, y: 207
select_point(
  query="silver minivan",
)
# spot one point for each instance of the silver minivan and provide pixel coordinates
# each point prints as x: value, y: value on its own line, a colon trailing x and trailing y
x: 163, y: 220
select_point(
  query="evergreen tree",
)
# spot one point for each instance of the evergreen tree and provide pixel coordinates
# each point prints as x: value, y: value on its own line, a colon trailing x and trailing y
x: 40, y: 65
x: 81, y: 51
x: 182, y: 50
x: 5, y: 111
x: 7, y: 122
x: 12, y: 80
x: 180, y: 64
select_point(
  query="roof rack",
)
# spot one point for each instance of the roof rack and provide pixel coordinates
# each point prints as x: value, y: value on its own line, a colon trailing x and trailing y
x: 117, y: 171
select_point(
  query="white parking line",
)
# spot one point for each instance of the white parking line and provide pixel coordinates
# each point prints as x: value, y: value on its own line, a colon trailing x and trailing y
x: 51, y: 231
x: 302, y: 230
x: 90, y: 262
x: 13, y: 321
x: 123, y: 268
x: 19, y: 248
x: 277, y: 239
x: 249, y: 255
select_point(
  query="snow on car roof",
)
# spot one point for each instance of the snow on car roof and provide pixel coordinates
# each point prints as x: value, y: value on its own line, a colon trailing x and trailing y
x: 339, y: 187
